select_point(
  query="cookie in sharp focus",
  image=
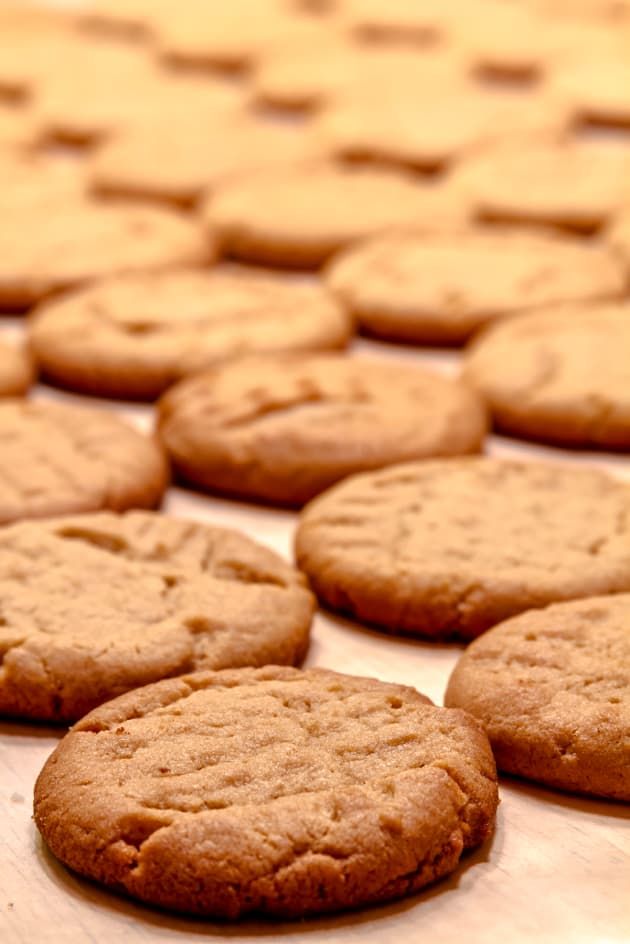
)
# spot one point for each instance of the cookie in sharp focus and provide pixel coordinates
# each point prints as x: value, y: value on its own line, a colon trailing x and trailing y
x: 271, y: 791
x: 551, y: 688
x: 283, y: 428
x: 135, y: 335
x: 95, y: 605
x: 559, y: 375
x: 16, y: 370
x: 42, y: 253
x: 440, y: 289
x: 59, y: 459
x: 448, y: 548
x: 299, y: 216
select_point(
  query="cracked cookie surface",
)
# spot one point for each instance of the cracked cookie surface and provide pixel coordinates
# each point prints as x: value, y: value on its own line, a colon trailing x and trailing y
x: 60, y: 459
x: 269, y: 790
x: 133, y: 336
x: 285, y: 427
x: 552, y: 688
x: 448, y: 548
x: 94, y: 605
x: 560, y: 375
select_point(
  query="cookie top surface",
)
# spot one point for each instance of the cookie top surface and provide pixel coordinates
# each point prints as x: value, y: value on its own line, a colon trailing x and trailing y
x: 305, y: 792
x: 299, y: 216
x: 133, y: 336
x: 283, y: 428
x: 449, y: 548
x: 58, y: 459
x: 518, y: 183
x: 552, y: 690
x: 561, y: 374
x: 81, y: 241
x: 16, y: 370
x: 94, y: 605
x: 415, y: 287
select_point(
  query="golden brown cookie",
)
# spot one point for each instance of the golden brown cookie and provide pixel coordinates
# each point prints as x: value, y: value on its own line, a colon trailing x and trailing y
x: 269, y: 790
x: 95, y: 605
x: 503, y: 41
x: 551, y: 688
x: 16, y: 370
x: 597, y: 91
x: 448, y: 548
x: 572, y: 186
x: 420, y: 22
x: 559, y: 375
x: 80, y: 241
x: 179, y: 159
x: 284, y: 428
x: 135, y: 335
x: 59, y: 459
x: 299, y: 216
x: 439, y: 290
x: 37, y: 186
x: 35, y: 40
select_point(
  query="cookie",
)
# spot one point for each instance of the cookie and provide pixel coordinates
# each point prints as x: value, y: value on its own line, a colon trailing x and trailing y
x: 129, y: 19
x: 446, y: 549
x: 431, y: 126
x: 503, y: 41
x: 519, y: 183
x: 551, y: 688
x: 178, y: 160
x: 299, y: 216
x: 33, y: 39
x: 134, y: 336
x: 16, y: 128
x: 152, y: 597
x: 59, y: 459
x: 273, y: 791
x: 37, y: 185
x: 560, y: 375
x: 16, y: 370
x: 440, y: 290
x: 597, y: 91
x: 419, y: 22
x: 284, y: 428
x: 82, y: 241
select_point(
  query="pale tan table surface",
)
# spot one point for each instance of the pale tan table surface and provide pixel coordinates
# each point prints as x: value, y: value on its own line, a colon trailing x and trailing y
x: 557, y: 870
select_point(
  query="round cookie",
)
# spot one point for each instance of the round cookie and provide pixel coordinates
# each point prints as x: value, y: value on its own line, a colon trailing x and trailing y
x: 82, y: 241
x: 60, y: 459
x: 135, y: 335
x: 560, y: 375
x: 16, y: 370
x: 412, y: 287
x: 577, y: 187
x: 270, y: 791
x: 551, y: 688
x: 95, y: 605
x: 446, y: 549
x: 284, y: 428
x: 299, y: 216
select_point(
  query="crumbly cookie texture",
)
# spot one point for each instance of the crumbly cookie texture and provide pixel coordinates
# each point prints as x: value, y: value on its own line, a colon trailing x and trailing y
x: 560, y: 375
x: 551, y: 688
x: 272, y: 791
x: 135, y: 335
x: 16, y: 370
x: 449, y: 548
x: 60, y: 459
x: 95, y: 605
x: 285, y: 427
x: 441, y: 289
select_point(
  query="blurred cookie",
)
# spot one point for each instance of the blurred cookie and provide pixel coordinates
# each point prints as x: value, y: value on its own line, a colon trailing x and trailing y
x: 16, y: 370
x: 299, y: 216
x: 420, y: 22
x: 151, y: 597
x: 33, y: 38
x: 179, y: 159
x: 284, y: 428
x: 551, y: 688
x: 60, y: 459
x: 135, y: 335
x: 269, y: 791
x: 597, y: 91
x: 80, y: 241
x: 439, y: 290
x: 576, y: 187
x: 445, y: 549
x: 558, y: 375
